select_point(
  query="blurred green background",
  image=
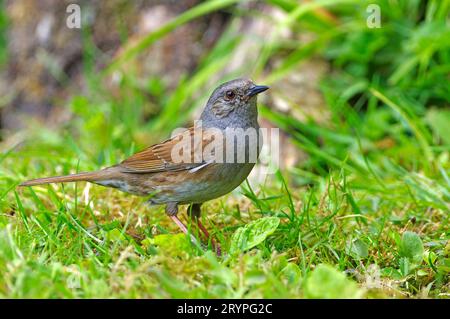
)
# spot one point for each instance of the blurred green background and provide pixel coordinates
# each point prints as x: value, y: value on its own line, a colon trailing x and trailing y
x: 359, y: 208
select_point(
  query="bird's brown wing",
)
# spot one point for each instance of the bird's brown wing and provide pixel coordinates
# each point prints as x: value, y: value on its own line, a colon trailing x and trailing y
x: 168, y: 155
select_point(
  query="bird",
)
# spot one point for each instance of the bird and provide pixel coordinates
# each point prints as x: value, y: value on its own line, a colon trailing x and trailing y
x: 202, y: 163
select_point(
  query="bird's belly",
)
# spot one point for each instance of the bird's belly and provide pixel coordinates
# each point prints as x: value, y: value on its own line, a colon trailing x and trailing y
x: 202, y: 185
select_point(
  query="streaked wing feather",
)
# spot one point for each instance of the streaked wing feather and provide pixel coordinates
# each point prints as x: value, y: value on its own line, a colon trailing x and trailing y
x: 158, y: 157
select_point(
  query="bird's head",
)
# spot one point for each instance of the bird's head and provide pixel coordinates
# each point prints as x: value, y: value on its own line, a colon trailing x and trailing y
x: 234, y: 99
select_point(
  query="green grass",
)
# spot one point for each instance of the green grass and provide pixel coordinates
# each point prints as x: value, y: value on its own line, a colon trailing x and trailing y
x: 365, y: 215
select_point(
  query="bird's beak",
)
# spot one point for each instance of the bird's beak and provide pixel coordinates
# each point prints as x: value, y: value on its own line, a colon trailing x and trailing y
x: 256, y: 89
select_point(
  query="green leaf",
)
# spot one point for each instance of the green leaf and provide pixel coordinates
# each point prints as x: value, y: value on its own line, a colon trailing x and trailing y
x: 253, y: 234
x: 168, y: 243
x: 291, y: 273
x: 444, y: 265
x: 404, y: 266
x: 438, y: 121
x: 116, y: 235
x: 112, y: 225
x: 411, y: 247
x: 391, y: 272
x: 429, y: 257
x: 325, y: 282
x: 357, y: 249
x: 422, y: 273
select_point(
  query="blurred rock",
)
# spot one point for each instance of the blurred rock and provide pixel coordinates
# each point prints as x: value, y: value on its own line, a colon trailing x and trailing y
x: 179, y: 52
x: 46, y: 57
x: 40, y: 48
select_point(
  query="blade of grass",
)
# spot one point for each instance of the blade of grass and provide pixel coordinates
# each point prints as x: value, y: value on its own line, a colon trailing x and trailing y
x: 417, y: 132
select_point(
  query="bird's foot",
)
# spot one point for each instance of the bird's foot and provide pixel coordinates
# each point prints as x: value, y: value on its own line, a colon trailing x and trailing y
x: 194, y: 212
x: 184, y: 229
x: 208, y: 237
x: 171, y: 211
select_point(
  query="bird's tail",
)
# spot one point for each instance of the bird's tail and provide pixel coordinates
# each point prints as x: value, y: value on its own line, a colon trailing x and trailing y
x: 86, y: 176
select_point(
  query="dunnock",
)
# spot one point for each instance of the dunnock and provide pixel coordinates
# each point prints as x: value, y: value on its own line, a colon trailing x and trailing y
x: 158, y: 172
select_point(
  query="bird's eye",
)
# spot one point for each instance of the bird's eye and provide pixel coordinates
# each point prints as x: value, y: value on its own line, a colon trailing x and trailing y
x: 229, y: 95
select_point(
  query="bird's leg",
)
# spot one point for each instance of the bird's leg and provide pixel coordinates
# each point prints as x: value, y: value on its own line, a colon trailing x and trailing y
x: 194, y: 212
x: 171, y: 211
